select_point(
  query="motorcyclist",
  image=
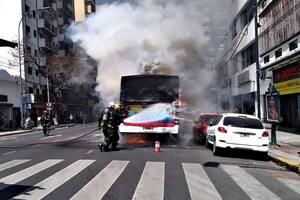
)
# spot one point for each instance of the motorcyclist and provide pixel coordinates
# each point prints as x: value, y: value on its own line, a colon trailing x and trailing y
x: 109, y: 124
x: 45, y: 122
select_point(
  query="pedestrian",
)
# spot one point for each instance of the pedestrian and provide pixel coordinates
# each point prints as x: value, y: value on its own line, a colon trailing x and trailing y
x: 109, y: 124
x: 71, y: 118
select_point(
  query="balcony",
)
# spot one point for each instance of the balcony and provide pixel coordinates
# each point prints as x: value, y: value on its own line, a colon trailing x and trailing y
x: 66, y: 40
x: 48, y: 45
x: 45, y: 25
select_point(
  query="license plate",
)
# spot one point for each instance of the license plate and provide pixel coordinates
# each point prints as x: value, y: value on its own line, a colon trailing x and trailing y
x: 147, y: 128
x: 244, y: 135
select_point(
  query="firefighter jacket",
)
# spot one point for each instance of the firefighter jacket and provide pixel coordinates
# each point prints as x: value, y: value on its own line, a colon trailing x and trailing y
x: 111, y: 120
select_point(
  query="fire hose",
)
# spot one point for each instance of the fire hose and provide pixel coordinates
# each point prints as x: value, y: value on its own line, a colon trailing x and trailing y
x: 51, y: 142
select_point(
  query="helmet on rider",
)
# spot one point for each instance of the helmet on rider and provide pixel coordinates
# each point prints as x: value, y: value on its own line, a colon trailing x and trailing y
x: 111, y: 104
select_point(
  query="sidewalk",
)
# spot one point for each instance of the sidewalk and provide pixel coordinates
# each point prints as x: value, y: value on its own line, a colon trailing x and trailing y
x: 7, y: 133
x: 288, y: 151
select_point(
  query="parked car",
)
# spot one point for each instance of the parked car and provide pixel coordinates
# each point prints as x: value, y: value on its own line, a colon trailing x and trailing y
x: 201, y: 125
x: 237, y: 131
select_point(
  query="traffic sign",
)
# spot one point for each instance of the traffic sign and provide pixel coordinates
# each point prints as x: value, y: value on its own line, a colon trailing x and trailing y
x: 49, y: 105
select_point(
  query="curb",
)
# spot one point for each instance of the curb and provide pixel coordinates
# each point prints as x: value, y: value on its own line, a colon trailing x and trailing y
x: 33, y: 130
x: 21, y: 132
x: 289, y: 164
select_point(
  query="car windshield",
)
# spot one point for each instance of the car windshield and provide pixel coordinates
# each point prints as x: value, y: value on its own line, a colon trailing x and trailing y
x: 243, y: 122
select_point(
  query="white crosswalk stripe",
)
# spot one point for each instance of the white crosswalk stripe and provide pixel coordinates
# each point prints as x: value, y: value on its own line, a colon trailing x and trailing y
x: 292, y: 184
x: 28, y: 172
x: 151, y: 184
x: 48, y: 185
x: 199, y: 184
x: 12, y: 163
x: 252, y: 187
x: 99, y: 185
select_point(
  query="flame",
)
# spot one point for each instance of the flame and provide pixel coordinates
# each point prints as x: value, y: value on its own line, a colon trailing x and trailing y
x: 134, y: 139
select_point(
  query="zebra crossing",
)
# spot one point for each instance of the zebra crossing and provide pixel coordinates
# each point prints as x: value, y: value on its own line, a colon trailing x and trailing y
x: 151, y: 183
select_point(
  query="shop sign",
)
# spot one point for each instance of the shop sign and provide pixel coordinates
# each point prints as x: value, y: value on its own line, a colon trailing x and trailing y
x: 272, y: 104
x: 287, y: 79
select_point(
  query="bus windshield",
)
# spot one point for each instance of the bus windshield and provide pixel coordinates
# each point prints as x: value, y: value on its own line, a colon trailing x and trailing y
x: 149, y: 89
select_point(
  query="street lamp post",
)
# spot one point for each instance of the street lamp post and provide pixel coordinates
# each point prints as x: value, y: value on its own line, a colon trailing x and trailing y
x: 258, y: 70
x: 20, y: 60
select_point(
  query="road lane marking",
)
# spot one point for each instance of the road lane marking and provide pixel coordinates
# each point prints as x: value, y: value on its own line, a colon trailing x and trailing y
x: 48, y: 185
x: 10, y: 152
x: 48, y: 137
x: 293, y: 184
x: 101, y: 183
x: 26, y: 173
x: 199, y: 184
x: 151, y: 184
x: 12, y: 163
x: 252, y: 187
x: 10, y: 138
x: 90, y: 151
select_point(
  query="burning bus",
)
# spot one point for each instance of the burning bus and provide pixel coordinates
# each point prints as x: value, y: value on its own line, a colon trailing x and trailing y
x: 151, y: 103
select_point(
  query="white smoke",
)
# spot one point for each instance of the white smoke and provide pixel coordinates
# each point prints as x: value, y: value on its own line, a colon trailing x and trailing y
x: 123, y: 36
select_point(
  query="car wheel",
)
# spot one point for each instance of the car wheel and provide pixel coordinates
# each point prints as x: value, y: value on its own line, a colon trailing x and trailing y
x: 216, y: 150
x: 264, y: 156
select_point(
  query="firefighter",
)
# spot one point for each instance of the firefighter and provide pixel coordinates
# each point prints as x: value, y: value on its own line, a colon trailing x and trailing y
x: 109, y: 124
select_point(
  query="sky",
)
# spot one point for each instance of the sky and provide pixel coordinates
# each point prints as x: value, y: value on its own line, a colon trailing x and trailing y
x: 9, y: 30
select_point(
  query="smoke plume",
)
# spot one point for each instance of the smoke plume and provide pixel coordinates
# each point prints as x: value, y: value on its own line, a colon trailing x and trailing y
x: 124, y: 37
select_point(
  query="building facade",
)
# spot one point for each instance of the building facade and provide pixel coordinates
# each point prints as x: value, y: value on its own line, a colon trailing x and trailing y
x: 9, y: 101
x: 43, y: 36
x: 236, y: 67
x: 280, y: 55
x: 82, y: 8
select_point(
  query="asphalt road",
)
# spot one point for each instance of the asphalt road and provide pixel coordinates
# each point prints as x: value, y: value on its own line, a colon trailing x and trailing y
x: 76, y: 169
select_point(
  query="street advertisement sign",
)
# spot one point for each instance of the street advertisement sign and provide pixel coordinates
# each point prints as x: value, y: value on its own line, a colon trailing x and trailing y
x: 273, y: 109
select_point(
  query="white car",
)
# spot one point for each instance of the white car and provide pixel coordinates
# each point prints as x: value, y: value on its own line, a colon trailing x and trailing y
x: 237, y: 131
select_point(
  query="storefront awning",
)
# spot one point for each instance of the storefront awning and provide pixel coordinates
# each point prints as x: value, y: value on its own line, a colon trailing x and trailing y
x: 5, y: 43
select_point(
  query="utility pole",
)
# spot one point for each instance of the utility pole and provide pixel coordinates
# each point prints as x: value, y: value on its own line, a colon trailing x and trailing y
x: 258, y: 70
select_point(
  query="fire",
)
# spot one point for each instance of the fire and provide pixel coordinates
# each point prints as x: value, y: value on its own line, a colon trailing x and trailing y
x: 137, y: 139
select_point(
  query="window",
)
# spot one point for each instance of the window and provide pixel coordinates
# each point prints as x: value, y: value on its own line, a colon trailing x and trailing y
x: 29, y: 70
x: 35, y: 53
x: 28, y: 50
x: 293, y: 45
x: 248, y: 57
x: 37, y: 72
x: 266, y: 59
x: 27, y: 8
x: 30, y: 90
x: 37, y: 91
x: 3, y: 98
x: 243, y: 122
x: 278, y: 53
x: 34, y: 33
x: 27, y: 31
x: 233, y: 30
x: 217, y: 120
x: 247, y: 15
x: 33, y: 13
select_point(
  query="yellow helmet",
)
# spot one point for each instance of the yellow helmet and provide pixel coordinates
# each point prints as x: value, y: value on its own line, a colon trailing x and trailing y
x: 116, y: 106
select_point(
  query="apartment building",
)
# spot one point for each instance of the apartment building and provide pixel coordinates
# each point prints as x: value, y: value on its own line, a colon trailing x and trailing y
x: 280, y: 55
x: 236, y: 67
x: 43, y: 36
x: 82, y: 8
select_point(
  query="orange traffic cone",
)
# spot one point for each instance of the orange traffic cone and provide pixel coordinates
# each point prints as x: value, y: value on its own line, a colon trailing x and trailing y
x: 157, y: 146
